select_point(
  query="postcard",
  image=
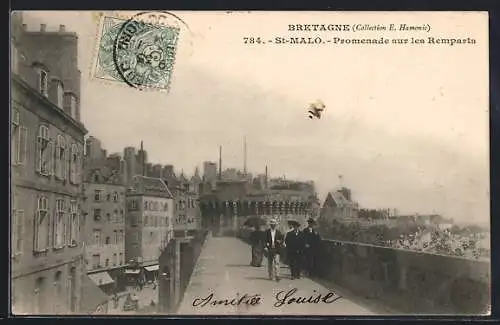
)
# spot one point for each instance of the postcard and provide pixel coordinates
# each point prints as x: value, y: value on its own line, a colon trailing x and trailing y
x: 249, y: 163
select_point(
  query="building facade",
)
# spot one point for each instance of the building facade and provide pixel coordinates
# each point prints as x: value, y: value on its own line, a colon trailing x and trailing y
x: 149, y: 224
x: 225, y: 209
x: 46, y: 153
x: 104, y: 226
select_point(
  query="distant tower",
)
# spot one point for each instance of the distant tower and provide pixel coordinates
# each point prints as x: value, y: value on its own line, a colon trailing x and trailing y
x: 245, y: 155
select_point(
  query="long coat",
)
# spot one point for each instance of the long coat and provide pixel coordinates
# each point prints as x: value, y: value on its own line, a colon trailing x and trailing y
x: 312, y: 242
x: 294, y: 243
x: 278, y: 241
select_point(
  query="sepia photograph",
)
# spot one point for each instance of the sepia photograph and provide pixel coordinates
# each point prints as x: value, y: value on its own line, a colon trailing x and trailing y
x: 249, y: 163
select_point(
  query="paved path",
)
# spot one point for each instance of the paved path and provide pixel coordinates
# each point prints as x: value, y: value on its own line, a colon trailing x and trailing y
x: 223, y: 270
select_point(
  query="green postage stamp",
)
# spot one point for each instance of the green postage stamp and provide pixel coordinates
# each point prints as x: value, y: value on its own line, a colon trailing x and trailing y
x: 138, y: 51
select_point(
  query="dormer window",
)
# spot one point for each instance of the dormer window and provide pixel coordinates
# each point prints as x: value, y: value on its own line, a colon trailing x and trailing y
x: 43, y: 82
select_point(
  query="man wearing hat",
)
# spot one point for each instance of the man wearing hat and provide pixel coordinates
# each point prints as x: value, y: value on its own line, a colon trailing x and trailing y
x: 312, y: 241
x: 294, y: 248
x: 273, y: 246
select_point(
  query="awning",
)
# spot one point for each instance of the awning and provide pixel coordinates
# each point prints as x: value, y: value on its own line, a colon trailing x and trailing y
x: 132, y: 271
x: 101, y: 278
x: 152, y: 268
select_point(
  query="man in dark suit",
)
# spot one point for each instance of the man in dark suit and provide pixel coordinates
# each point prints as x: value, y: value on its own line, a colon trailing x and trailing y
x: 294, y: 242
x: 274, y: 243
x: 312, y: 242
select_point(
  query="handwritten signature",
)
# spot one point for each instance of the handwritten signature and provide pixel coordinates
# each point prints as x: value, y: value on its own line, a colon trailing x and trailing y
x: 246, y: 299
x: 287, y: 298
x: 282, y: 298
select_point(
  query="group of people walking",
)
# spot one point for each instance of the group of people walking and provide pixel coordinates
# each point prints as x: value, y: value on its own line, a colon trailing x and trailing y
x: 299, y: 248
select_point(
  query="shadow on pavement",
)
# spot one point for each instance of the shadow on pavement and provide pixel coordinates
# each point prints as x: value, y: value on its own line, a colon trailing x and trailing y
x: 374, y: 305
x: 265, y: 278
x: 238, y: 265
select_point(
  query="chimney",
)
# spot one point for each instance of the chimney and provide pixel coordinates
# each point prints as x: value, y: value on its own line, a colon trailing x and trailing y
x: 62, y: 28
x: 43, y: 27
x: 220, y: 162
x: 265, y: 180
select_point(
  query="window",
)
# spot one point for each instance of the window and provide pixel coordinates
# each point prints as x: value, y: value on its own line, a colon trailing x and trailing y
x: 98, y: 195
x: 106, y: 263
x: 74, y: 224
x: 165, y: 206
x: 59, y: 224
x: 60, y: 95
x: 115, y: 197
x: 74, y: 164
x: 72, y: 289
x: 43, y: 83
x: 97, y: 214
x: 133, y: 220
x: 145, y: 221
x: 19, y: 140
x: 44, y: 151
x: 42, y: 225
x: 107, y: 241
x: 73, y: 105
x: 121, y: 258
x: 17, y: 231
x: 108, y: 216
x: 115, y: 237
x: 97, y: 237
x: 58, y: 291
x: 115, y: 259
x: 146, y: 205
x: 121, y: 237
x: 115, y: 216
x: 39, y: 295
x: 96, y: 261
x: 108, y: 197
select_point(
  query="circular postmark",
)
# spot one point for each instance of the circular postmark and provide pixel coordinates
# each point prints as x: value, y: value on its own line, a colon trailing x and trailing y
x: 144, y: 49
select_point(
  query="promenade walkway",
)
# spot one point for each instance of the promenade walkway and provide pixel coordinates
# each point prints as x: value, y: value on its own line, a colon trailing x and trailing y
x: 223, y: 272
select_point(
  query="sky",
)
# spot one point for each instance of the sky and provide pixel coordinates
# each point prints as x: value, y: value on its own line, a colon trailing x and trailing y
x: 406, y: 126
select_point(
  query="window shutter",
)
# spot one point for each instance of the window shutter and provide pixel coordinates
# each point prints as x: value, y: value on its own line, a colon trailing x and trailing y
x: 23, y: 139
x: 67, y: 158
x: 66, y: 226
x: 72, y: 164
x: 49, y: 155
x: 36, y: 228
x: 14, y: 233
x: 38, y: 160
x: 19, y: 230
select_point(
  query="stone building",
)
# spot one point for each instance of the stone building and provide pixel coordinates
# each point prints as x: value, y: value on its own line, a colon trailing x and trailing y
x: 148, y: 226
x: 46, y: 153
x: 104, y: 220
x: 338, y: 206
x: 225, y: 208
x: 186, y: 211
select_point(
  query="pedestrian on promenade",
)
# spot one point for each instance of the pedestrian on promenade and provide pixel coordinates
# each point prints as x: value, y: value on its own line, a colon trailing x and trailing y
x: 294, y: 242
x: 257, y: 247
x: 274, y: 244
x: 312, y: 243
